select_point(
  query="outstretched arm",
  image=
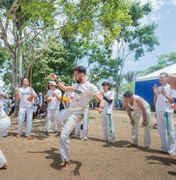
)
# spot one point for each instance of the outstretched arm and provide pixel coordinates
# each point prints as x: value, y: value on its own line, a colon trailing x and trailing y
x: 99, y: 98
x: 60, y: 85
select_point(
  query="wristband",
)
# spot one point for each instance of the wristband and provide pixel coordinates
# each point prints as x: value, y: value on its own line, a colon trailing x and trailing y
x: 56, y: 81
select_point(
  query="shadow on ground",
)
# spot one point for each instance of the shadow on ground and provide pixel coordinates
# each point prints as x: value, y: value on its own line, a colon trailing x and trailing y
x: 160, y: 160
x: 57, y: 161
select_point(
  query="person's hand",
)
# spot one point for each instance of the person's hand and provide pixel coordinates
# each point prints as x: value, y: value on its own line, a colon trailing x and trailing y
x: 155, y: 88
x: 30, y: 98
x: 49, y: 98
x: 17, y: 90
x: 0, y: 105
x: 102, y: 93
x: 144, y: 123
x: 132, y: 122
x: 53, y: 76
x: 99, y: 109
x: 173, y: 106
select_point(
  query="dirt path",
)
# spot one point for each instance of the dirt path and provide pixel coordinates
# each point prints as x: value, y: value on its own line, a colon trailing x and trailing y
x: 39, y: 159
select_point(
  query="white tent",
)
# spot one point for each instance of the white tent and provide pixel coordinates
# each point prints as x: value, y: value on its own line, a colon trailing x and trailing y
x: 170, y: 70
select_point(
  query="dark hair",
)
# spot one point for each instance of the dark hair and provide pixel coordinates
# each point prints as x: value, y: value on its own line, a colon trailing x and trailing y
x: 106, y: 83
x: 80, y: 69
x: 164, y: 73
x: 128, y: 94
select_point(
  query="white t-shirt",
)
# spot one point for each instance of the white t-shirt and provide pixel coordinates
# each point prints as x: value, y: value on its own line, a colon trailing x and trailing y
x: 25, y: 93
x: 108, y: 108
x: 162, y: 104
x: 54, y: 103
x: 82, y: 95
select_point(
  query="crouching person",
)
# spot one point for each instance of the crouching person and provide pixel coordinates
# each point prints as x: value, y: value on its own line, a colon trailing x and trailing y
x: 140, y: 108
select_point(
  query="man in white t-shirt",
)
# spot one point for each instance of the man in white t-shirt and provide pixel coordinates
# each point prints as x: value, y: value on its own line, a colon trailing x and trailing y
x: 83, y: 92
x: 163, y: 98
x: 106, y: 115
x: 54, y: 97
x: 26, y: 96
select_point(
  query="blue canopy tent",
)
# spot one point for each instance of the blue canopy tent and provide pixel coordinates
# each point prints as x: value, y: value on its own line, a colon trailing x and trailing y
x: 143, y: 85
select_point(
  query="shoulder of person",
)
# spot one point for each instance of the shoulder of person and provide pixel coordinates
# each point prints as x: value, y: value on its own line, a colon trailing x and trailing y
x: 58, y: 91
x: 89, y: 84
x: 111, y: 92
x: 75, y: 85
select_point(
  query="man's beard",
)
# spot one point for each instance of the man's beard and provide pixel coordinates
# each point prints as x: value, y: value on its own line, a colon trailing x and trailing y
x: 78, y: 81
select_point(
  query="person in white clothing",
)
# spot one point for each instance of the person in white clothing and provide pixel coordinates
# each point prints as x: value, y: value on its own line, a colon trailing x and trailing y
x: 84, y: 122
x: 107, y: 114
x: 140, y: 108
x: 172, y: 81
x: 83, y: 92
x: 3, y: 101
x: 163, y: 99
x: 26, y: 96
x: 4, y: 125
x: 53, y: 98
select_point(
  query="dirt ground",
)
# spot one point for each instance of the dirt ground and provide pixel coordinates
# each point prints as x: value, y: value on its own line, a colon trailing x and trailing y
x: 39, y: 159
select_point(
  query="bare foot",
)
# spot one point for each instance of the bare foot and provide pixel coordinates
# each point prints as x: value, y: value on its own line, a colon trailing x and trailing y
x: 172, y: 156
x: 4, y: 167
x: 66, y: 167
x: 58, y: 134
x: 131, y: 145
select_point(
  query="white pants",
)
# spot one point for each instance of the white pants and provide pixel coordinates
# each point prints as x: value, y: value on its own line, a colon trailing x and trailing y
x: 71, y: 121
x: 3, y: 160
x: 134, y: 130
x: 166, y: 132
x: 108, y: 127
x: 85, y: 126
x: 52, y: 115
x: 21, y: 117
x: 4, y: 125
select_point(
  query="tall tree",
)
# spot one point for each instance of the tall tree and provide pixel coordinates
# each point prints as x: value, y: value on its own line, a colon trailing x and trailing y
x: 134, y: 39
x: 164, y: 61
x: 20, y: 20
x: 55, y: 59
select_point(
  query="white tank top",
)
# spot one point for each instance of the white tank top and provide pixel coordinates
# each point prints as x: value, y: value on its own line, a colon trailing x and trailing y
x: 135, y: 106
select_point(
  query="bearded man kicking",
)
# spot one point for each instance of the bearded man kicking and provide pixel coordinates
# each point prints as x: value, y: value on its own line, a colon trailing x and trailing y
x: 83, y: 92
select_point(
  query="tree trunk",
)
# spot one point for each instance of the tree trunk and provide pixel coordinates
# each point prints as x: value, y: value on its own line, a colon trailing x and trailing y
x: 16, y: 85
x: 118, y: 80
